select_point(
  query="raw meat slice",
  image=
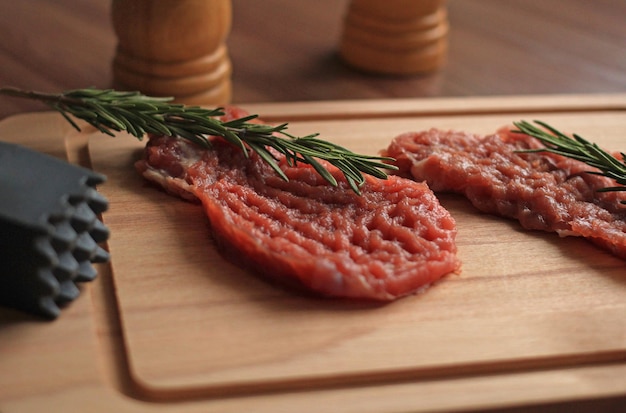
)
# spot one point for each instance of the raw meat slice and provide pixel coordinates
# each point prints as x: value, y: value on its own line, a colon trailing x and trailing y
x: 393, y: 240
x: 543, y: 191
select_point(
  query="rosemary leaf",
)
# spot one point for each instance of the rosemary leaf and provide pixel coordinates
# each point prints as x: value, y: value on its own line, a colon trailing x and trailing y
x: 578, y: 148
x: 321, y: 170
x: 268, y: 158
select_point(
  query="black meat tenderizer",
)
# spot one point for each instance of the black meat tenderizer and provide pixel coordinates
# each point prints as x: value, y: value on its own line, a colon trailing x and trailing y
x: 49, y: 230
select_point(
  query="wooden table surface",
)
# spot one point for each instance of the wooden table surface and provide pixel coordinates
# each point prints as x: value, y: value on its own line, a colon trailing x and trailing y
x: 285, y: 51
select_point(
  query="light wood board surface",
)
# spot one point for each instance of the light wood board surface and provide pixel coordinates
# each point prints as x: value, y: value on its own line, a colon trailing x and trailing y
x: 170, y: 325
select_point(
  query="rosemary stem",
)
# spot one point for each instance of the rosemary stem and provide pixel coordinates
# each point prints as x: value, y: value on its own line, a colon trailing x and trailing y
x: 115, y: 111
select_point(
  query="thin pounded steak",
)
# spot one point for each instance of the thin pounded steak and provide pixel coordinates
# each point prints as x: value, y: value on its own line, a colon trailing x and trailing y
x: 393, y: 240
x: 543, y: 191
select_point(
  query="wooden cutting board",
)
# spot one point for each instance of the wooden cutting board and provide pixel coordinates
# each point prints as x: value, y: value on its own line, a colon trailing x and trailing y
x: 169, y: 324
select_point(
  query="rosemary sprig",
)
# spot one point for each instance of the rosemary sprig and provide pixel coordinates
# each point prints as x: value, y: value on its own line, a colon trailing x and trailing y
x: 114, y: 111
x: 576, y: 147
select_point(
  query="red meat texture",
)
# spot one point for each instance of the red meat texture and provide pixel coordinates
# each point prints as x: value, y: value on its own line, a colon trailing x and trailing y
x: 541, y: 190
x: 392, y: 240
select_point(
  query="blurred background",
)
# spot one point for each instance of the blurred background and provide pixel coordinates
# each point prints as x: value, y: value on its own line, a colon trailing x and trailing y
x: 287, y: 50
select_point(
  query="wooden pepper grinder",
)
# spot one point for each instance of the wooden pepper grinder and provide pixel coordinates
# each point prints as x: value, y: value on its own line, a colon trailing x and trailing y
x: 395, y: 37
x: 173, y: 48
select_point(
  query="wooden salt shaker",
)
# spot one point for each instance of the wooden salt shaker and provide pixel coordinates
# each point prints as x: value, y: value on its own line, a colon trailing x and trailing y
x: 395, y: 37
x: 173, y: 48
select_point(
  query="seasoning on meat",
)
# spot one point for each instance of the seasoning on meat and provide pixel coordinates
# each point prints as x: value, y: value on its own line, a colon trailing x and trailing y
x: 543, y: 191
x: 392, y: 240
